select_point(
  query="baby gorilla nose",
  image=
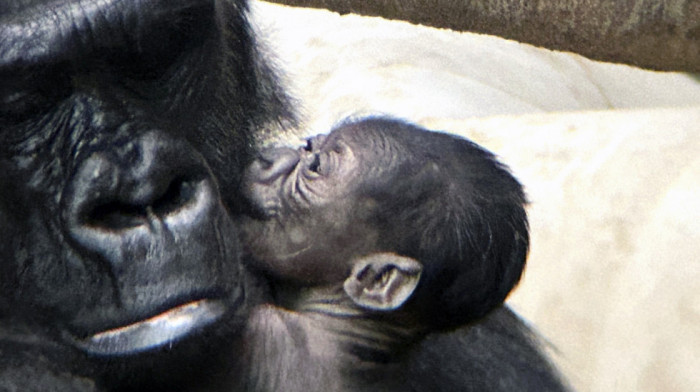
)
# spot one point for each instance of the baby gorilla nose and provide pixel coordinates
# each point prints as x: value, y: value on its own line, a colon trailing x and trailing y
x: 315, y: 143
x: 273, y: 163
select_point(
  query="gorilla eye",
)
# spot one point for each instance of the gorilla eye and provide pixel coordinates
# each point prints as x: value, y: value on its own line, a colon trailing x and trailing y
x: 308, y: 146
x: 315, y: 164
x: 31, y: 94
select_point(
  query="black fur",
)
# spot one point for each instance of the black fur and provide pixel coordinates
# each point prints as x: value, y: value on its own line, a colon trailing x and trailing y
x: 450, y: 204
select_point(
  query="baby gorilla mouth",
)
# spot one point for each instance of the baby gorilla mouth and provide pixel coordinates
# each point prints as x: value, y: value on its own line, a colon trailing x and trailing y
x: 156, y: 331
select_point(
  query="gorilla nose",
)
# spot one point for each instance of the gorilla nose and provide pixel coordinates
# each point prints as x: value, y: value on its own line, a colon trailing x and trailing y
x: 166, y: 198
x: 273, y: 163
x: 146, y: 185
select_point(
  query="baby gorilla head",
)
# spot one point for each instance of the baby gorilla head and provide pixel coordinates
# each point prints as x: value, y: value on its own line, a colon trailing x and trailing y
x: 401, y: 214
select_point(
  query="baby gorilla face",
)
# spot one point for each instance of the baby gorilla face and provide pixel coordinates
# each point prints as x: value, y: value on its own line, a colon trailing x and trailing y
x: 312, y: 217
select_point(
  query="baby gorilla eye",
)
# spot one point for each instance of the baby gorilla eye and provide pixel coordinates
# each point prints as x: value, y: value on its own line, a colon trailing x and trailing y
x: 315, y: 164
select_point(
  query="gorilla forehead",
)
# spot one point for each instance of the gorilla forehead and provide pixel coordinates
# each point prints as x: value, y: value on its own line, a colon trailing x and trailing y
x: 72, y: 29
x: 145, y: 61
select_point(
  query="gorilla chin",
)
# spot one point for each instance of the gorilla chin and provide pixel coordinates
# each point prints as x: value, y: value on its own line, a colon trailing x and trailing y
x: 165, y: 328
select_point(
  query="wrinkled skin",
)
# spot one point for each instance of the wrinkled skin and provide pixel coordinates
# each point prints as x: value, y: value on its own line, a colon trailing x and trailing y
x: 124, y: 126
x: 311, y: 226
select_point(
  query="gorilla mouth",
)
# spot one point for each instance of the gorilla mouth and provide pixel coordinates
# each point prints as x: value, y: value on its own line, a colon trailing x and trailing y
x: 154, y: 332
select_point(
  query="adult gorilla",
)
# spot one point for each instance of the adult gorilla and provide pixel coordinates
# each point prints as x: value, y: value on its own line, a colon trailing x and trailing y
x: 124, y: 126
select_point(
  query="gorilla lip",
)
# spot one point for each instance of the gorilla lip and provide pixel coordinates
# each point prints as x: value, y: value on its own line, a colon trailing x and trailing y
x: 157, y: 331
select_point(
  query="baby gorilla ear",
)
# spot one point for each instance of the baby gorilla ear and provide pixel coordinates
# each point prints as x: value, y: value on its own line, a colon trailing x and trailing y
x: 383, y: 281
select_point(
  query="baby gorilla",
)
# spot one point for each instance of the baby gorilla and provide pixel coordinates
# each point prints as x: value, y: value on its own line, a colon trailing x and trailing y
x: 375, y: 235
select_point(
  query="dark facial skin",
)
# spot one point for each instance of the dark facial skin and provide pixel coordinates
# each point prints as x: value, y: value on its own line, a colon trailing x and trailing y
x: 122, y: 124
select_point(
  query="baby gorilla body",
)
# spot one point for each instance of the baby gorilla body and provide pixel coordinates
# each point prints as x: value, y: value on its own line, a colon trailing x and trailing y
x: 375, y: 235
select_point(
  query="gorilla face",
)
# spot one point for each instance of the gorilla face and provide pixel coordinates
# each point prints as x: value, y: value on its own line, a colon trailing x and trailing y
x: 314, y: 217
x: 121, y: 125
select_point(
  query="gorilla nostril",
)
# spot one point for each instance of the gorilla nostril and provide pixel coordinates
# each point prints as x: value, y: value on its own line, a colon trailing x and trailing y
x: 178, y: 194
x: 120, y: 215
x: 116, y: 216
